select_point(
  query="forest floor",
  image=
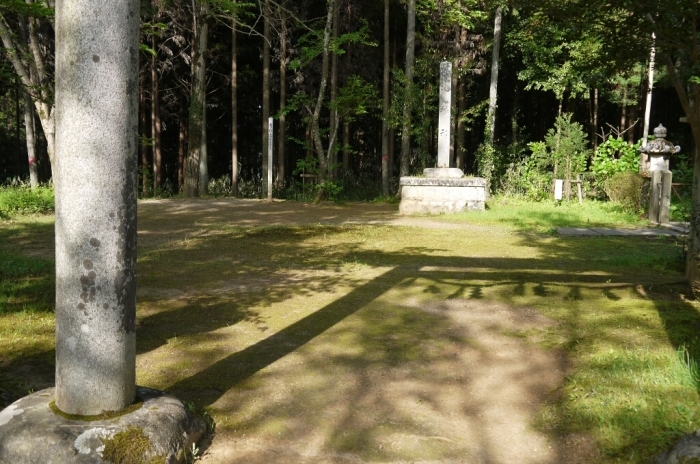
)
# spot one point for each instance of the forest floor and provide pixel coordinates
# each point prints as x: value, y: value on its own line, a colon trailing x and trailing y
x: 346, y: 333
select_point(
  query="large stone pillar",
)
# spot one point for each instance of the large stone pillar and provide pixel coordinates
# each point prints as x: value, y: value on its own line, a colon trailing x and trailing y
x: 444, y: 119
x: 96, y: 156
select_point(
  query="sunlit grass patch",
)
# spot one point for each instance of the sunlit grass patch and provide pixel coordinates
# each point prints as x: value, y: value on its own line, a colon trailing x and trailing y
x: 545, y: 216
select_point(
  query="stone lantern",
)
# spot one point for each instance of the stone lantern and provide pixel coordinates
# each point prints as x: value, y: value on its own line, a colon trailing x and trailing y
x: 658, y: 152
x: 656, y: 165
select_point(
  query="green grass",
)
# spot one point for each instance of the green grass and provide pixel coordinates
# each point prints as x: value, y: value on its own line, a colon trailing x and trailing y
x: 527, y: 216
x: 219, y: 308
x: 23, y: 200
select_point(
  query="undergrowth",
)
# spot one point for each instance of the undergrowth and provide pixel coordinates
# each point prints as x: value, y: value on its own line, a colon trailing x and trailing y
x: 23, y: 200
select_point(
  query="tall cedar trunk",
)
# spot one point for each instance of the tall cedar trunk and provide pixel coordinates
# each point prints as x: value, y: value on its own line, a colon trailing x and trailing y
x: 453, y: 113
x: 392, y: 132
x: 197, y: 104
x: 632, y: 120
x: 410, y: 52
x: 155, y: 121
x: 461, y: 130
x: 234, y: 112
x: 203, y: 156
x: 281, y: 137
x: 18, y: 130
x: 143, y: 119
x: 265, y: 95
x: 385, y: 105
x: 181, y: 146
x: 595, y: 118
x: 493, y: 90
x: 623, y: 114
x: 315, y: 128
x: 333, y: 155
x: 31, y: 141
x: 346, y: 146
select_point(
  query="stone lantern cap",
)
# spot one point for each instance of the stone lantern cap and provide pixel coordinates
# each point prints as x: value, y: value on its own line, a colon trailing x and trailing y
x: 660, y: 145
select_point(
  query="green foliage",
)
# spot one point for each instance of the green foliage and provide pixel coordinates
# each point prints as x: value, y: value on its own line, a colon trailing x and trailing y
x: 529, y: 177
x: 486, y: 159
x: 356, y: 97
x: 556, y: 56
x: 568, y: 147
x: 23, y: 200
x: 310, y: 45
x: 330, y: 187
x: 563, y: 154
x: 625, y: 188
x: 24, y: 8
x: 614, y: 156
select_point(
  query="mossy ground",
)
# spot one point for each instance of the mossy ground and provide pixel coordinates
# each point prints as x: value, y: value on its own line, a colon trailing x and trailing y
x: 316, y: 335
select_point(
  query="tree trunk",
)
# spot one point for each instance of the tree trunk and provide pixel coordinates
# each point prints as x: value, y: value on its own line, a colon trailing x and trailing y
x: 197, y: 136
x: 315, y: 128
x: 203, y: 155
x: 31, y: 141
x: 623, y: 114
x: 281, y: 137
x: 631, y: 121
x: 410, y: 53
x: 493, y: 89
x: 346, y: 146
x: 234, y: 112
x: 385, y: 105
x: 454, y: 104
x: 143, y: 117
x: 97, y: 47
x: 461, y: 130
x: 265, y: 94
x: 333, y: 155
x: 155, y: 121
x: 181, y: 146
x: 28, y: 62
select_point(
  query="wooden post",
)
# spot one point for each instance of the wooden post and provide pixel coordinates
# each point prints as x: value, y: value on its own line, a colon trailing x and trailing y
x: 579, y: 188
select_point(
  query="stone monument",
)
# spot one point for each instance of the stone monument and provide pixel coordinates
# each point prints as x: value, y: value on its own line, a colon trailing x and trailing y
x: 442, y: 189
x: 96, y: 397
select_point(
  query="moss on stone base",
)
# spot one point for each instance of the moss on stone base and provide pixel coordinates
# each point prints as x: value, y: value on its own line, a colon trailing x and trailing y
x: 130, y: 446
x: 138, y: 402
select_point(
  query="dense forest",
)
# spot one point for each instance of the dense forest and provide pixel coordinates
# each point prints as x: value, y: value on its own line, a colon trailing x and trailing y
x: 352, y: 88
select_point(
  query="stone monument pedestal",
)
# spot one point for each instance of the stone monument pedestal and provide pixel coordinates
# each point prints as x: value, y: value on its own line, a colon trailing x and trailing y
x: 442, y: 189
x: 31, y: 432
x: 439, y: 195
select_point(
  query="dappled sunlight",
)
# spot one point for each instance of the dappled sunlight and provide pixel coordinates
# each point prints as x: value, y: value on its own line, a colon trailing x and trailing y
x: 338, y: 341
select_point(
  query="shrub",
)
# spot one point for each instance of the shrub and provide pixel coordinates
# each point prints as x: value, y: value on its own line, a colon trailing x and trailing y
x: 625, y: 188
x: 612, y: 157
x: 22, y: 199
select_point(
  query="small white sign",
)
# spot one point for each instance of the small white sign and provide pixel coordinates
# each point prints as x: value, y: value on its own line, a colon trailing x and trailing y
x: 558, y: 189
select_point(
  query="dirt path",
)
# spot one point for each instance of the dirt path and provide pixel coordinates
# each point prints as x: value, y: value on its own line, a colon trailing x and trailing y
x: 400, y: 376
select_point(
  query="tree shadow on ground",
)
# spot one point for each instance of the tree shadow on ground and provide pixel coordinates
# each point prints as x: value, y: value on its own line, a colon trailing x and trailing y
x: 561, y: 272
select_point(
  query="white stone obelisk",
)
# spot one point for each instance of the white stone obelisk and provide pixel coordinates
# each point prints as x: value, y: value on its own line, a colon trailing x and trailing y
x: 444, y: 115
x: 97, y: 91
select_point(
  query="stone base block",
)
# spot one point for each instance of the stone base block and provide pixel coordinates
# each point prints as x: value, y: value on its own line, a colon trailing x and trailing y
x: 449, y: 173
x: 430, y: 195
x: 30, y: 432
